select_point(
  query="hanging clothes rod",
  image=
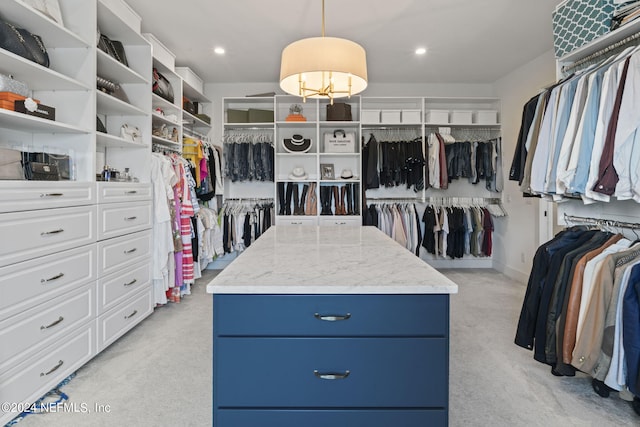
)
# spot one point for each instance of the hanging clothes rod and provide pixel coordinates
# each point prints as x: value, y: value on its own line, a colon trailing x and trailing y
x: 376, y: 200
x: 159, y: 147
x: 604, y: 51
x: 602, y: 222
x: 249, y: 199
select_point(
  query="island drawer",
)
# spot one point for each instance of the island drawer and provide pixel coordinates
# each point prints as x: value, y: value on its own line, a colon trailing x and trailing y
x: 297, y: 372
x: 332, y: 315
x: 331, y: 417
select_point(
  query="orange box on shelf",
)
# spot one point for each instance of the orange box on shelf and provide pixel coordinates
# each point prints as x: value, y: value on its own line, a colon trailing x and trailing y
x: 7, y: 105
x: 10, y: 96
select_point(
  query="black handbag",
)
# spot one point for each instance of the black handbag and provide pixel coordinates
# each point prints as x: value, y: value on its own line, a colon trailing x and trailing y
x: 188, y: 106
x: 23, y: 43
x: 339, y: 111
x: 100, y: 127
x: 161, y: 86
x: 113, y: 48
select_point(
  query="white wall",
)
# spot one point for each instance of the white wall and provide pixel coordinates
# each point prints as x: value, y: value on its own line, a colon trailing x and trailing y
x: 516, y: 236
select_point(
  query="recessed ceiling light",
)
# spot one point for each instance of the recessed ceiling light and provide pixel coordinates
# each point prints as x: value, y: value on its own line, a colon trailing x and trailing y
x: 421, y: 51
x: 219, y: 51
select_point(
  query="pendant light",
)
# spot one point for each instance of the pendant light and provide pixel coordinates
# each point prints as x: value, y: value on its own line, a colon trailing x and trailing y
x: 323, y: 67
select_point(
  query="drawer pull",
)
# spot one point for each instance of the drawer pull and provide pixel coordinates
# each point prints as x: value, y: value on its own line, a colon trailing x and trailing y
x: 52, y: 195
x: 332, y: 317
x: 51, y: 279
x: 131, y: 282
x: 131, y: 218
x: 131, y: 315
x: 331, y: 375
x: 55, y: 368
x: 130, y: 251
x: 131, y: 192
x: 48, y: 233
x: 341, y: 223
x: 42, y: 328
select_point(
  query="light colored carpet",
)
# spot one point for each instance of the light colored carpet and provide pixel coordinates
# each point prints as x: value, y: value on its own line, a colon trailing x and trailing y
x: 159, y: 374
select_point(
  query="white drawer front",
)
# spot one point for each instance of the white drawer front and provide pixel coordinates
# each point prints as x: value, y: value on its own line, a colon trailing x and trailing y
x: 40, y: 373
x: 30, y: 195
x: 116, y: 219
x: 27, y: 235
x: 297, y: 221
x: 117, y: 287
x: 109, y: 192
x: 116, y: 254
x: 44, y: 324
x: 341, y: 221
x: 115, y: 323
x: 30, y: 283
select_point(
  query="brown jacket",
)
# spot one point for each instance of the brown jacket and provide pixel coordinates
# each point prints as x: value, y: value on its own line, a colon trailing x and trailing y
x: 573, y: 308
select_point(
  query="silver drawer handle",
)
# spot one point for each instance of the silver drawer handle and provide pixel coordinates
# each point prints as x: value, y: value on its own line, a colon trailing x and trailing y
x: 48, y: 233
x: 131, y: 282
x: 55, y: 368
x: 331, y: 375
x: 42, y: 328
x: 51, y: 279
x: 131, y: 218
x: 130, y: 251
x: 131, y: 192
x: 341, y: 223
x: 52, y: 195
x: 332, y: 317
x: 131, y: 315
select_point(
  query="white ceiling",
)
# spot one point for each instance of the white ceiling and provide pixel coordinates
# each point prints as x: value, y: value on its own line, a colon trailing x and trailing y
x: 468, y: 41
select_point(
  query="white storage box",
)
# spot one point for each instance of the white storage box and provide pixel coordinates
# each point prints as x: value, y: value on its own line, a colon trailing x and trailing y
x: 160, y: 52
x: 411, y: 116
x: 370, y: 116
x: 191, y: 78
x: 390, y: 116
x: 438, y: 117
x: 459, y: 117
x: 485, y: 117
x: 123, y: 11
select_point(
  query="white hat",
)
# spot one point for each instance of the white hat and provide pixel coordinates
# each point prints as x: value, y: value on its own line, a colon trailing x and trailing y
x: 346, y: 174
x: 298, y: 174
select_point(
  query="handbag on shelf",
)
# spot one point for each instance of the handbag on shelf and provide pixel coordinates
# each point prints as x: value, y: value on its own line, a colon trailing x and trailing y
x: 105, y: 85
x: 113, y: 48
x: 9, y: 84
x: 188, y: 106
x: 131, y: 133
x: 49, y: 8
x: 339, y: 111
x: 100, y: 127
x: 23, y: 43
x: 161, y: 86
x: 11, y: 164
x: 340, y: 141
x: 60, y: 162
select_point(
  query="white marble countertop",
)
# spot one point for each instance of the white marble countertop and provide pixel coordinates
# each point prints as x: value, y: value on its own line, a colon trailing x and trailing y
x: 328, y: 260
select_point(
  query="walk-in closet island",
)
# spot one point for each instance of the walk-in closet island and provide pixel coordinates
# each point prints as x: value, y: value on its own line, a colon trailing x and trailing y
x: 331, y: 325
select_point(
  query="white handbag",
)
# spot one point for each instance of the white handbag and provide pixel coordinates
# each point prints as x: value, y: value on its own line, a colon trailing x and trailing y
x: 131, y: 133
x: 340, y: 141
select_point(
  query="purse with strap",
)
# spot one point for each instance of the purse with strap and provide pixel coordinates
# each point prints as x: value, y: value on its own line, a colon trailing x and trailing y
x: 23, y: 43
x: 161, y: 86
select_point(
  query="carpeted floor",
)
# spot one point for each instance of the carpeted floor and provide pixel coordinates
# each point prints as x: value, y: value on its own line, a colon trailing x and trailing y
x: 159, y: 374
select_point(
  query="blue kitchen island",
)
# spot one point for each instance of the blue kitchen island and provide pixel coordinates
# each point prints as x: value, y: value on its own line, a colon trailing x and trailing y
x: 330, y: 326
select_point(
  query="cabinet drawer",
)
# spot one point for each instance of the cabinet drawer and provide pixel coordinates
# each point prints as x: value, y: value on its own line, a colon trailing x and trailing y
x: 115, y: 323
x: 27, y: 235
x: 296, y: 221
x: 29, y: 195
x: 116, y: 219
x: 44, y: 324
x: 284, y: 372
x: 45, y: 278
x: 353, y: 222
x: 40, y: 373
x: 109, y: 192
x: 120, y: 252
x: 116, y: 287
x: 319, y: 315
x: 331, y: 417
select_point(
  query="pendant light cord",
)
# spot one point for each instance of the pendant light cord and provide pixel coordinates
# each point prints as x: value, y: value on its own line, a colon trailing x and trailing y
x: 322, y: 18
